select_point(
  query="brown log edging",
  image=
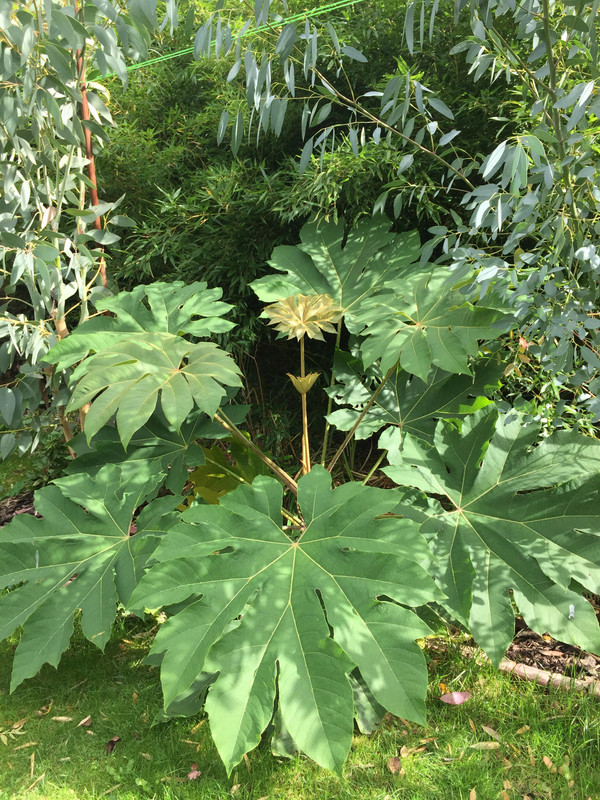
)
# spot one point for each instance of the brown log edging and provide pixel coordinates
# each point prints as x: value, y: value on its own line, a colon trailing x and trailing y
x: 542, y: 677
x: 545, y: 678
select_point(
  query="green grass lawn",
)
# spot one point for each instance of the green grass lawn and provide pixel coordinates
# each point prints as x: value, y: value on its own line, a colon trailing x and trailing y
x: 536, y: 743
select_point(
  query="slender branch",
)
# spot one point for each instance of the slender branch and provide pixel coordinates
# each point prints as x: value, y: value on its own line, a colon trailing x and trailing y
x: 353, y: 104
x: 555, y: 112
x: 305, y: 442
x: 373, y: 469
x: 232, y: 428
x: 330, y: 401
x: 66, y: 428
x: 361, y: 416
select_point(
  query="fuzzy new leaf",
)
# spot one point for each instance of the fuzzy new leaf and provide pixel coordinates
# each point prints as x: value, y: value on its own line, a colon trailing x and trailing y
x: 304, y: 314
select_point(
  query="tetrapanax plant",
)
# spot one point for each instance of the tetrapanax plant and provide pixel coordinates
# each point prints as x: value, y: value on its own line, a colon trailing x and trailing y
x: 298, y: 608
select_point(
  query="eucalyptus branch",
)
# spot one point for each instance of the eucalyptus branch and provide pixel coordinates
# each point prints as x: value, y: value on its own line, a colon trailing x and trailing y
x: 535, y: 81
x: 232, y: 428
x: 362, y: 110
x: 361, y: 416
x: 555, y: 112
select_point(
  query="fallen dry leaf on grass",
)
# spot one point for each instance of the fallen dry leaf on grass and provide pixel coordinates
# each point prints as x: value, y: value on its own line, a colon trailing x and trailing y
x: 494, y: 734
x: 194, y: 772
x: 86, y: 722
x: 111, y: 744
x: 549, y: 764
x: 23, y: 746
x: 62, y: 719
x: 455, y: 698
x: 485, y: 746
x: 394, y: 766
x: 409, y: 751
x: 523, y: 729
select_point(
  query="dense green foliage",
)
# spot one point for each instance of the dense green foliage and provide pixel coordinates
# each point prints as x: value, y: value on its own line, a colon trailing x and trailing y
x: 294, y: 603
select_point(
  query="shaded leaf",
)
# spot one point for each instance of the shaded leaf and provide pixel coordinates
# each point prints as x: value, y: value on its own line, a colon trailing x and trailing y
x: 79, y: 555
x: 424, y: 324
x: 165, y: 448
x: 514, y: 517
x: 254, y: 612
x: 221, y: 474
x: 406, y: 404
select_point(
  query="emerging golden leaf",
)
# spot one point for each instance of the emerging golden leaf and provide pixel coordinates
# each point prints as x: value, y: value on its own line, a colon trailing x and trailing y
x: 304, y: 314
x: 305, y: 384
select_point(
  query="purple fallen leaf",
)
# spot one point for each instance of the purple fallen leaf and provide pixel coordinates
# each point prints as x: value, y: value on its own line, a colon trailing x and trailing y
x: 455, y: 698
x: 194, y: 772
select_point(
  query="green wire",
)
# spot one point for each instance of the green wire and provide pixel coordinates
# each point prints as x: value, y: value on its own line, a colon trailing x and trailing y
x: 294, y: 18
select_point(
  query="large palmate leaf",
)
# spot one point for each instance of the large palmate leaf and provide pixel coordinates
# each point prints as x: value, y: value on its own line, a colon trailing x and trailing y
x: 83, y: 554
x: 517, y: 519
x: 406, y: 404
x: 348, y: 269
x: 165, y: 448
x: 424, y: 323
x: 128, y: 378
x: 289, y: 614
x: 175, y: 308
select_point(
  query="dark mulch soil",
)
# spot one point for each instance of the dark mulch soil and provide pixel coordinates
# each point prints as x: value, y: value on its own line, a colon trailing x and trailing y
x: 548, y: 654
x: 11, y: 506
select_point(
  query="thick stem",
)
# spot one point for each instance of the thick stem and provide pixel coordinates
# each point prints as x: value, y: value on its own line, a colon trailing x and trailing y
x: 66, y: 428
x: 330, y: 401
x: 360, y: 417
x: 232, y: 428
x: 305, y: 442
x: 373, y: 469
